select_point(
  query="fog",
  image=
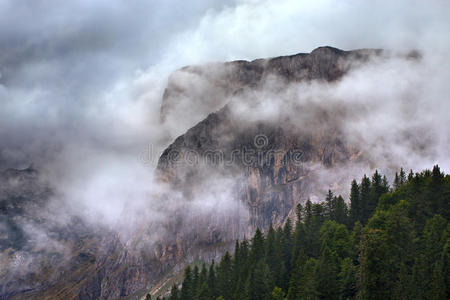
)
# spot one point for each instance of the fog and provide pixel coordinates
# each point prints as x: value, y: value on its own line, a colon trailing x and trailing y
x: 81, y: 87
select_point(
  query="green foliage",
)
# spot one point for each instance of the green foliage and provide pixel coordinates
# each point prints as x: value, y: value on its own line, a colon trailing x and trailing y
x: 278, y: 294
x: 174, y: 293
x: 389, y: 244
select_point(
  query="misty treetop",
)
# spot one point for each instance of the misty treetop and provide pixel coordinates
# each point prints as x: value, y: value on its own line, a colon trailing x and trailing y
x: 388, y: 243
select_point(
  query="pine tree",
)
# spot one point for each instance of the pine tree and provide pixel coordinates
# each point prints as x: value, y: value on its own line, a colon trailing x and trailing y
x: 427, y: 269
x: 212, y: 281
x: 308, y: 283
x: 174, y: 293
x: 203, y: 292
x: 295, y: 288
x: 259, y: 283
x: 272, y: 256
x: 329, y: 205
x: 402, y: 177
x: 224, y: 277
x: 257, y: 248
x: 376, y: 190
x: 410, y: 175
x: 355, y: 203
x: 364, y: 197
x: 299, y: 242
x: 387, y: 247
x: 286, y: 251
x: 340, y: 210
x: 397, y: 183
x: 308, y: 213
x: 326, y: 276
x: 195, y: 279
x: 348, y: 277
x: 435, y: 192
x: 187, y: 287
x: 278, y: 294
x: 384, y: 185
x: 356, y: 237
x: 336, y: 238
x: 299, y: 213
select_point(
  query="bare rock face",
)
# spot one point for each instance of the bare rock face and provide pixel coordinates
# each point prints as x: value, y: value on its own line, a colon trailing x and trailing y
x: 273, y: 161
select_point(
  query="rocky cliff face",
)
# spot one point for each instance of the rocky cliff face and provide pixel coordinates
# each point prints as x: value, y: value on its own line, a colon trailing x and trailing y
x: 275, y: 159
x: 265, y: 166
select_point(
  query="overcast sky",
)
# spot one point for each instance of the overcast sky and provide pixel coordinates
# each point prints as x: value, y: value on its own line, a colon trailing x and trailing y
x: 90, y: 74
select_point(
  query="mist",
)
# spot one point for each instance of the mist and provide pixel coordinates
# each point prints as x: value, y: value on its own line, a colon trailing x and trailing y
x: 81, y: 89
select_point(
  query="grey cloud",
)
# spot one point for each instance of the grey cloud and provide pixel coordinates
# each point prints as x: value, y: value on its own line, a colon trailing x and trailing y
x: 82, y: 81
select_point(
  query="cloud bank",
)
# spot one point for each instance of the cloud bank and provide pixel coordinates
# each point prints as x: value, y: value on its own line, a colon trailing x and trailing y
x: 81, y: 84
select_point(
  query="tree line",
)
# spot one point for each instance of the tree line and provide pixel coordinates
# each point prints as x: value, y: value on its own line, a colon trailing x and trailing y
x: 388, y: 243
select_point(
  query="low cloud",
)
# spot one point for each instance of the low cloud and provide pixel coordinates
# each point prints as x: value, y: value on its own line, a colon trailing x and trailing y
x: 81, y: 88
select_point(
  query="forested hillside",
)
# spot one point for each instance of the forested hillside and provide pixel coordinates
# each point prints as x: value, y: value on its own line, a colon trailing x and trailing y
x: 388, y: 243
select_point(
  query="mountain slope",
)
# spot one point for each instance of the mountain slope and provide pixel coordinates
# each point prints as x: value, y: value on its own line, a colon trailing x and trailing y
x: 234, y: 171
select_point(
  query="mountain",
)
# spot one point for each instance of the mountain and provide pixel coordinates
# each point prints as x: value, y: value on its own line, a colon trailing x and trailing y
x: 195, y: 91
x: 274, y: 160
x: 236, y: 169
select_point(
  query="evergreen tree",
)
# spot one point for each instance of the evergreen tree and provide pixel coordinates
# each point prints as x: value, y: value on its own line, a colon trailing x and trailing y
x: 203, y: 276
x: 410, y: 175
x: 273, y: 256
x: 257, y: 248
x: 174, y: 293
x: 278, y: 294
x: 187, y: 287
x: 286, y: 251
x: 386, y: 249
x: 326, y: 276
x: 356, y: 238
x: 348, y: 278
x: 308, y: 214
x: 427, y: 268
x: 355, y: 203
x: 308, y: 283
x: 340, y: 210
x: 258, y: 285
x: 195, y: 277
x: 384, y: 185
x: 299, y: 242
x: 224, y: 278
x: 435, y: 193
x: 329, y: 205
x: 336, y: 238
x: 212, y: 281
x: 365, y: 199
x: 376, y: 190
x: 299, y: 213
x: 396, y: 181
x: 402, y: 177
x: 203, y: 292
x: 295, y: 288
